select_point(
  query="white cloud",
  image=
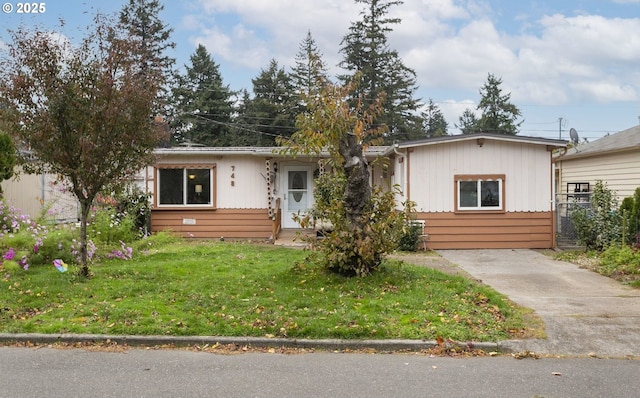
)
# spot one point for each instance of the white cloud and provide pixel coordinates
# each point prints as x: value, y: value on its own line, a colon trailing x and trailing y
x: 450, y: 44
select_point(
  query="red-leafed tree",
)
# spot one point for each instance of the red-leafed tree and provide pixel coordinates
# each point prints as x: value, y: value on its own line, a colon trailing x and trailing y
x: 85, y: 111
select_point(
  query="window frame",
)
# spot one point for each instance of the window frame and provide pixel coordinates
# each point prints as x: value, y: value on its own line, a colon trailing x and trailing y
x: 478, y: 179
x: 185, y: 184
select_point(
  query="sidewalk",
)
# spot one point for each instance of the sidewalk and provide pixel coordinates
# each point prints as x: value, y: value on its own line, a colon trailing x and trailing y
x: 585, y: 313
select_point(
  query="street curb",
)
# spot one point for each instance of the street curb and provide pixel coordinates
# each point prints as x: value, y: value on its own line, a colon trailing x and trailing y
x: 507, y: 346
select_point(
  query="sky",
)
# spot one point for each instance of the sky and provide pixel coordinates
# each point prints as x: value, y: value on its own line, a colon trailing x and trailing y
x: 566, y: 63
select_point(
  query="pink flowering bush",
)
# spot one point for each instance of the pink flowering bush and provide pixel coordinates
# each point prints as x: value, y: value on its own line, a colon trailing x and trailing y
x: 25, y: 243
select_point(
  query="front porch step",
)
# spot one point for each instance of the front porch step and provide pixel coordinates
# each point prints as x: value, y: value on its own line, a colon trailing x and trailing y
x: 293, y: 237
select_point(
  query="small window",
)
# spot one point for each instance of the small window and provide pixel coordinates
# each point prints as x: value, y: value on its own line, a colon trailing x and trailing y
x: 479, y: 192
x: 185, y: 187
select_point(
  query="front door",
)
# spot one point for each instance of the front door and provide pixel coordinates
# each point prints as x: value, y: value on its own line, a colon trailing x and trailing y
x: 297, y: 197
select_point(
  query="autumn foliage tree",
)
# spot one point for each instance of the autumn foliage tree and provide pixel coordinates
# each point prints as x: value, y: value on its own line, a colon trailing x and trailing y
x: 84, y: 111
x: 365, y: 225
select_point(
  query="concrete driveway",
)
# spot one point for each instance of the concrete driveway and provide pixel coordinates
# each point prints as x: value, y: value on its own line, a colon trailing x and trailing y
x: 585, y: 313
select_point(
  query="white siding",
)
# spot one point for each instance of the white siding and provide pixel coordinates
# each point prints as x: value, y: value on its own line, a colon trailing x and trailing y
x: 621, y: 172
x: 527, y: 170
x: 240, y: 180
x: 249, y: 189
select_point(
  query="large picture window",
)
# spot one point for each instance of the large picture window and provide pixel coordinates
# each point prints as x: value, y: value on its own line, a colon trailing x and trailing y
x: 185, y: 187
x: 480, y: 192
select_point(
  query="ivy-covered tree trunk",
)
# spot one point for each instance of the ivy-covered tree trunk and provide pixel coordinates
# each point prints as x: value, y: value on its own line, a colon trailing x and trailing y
x: 358, y: 190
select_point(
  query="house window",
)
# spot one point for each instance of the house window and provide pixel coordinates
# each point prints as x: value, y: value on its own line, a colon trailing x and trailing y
x: 479, y: 192
x: 185, y: 187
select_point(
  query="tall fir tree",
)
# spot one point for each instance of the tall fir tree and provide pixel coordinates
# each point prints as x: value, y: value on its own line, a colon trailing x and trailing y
x: 468, y: 122
x: 310, y: 69
x: 367, y: 52
x: 273, y: 109
x: 203, y: 105
x: 499, y: 115
x: 141, y: 18
x: 435, y: 125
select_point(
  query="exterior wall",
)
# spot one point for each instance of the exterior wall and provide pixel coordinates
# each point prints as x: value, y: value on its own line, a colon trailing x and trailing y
x: 526, y: 220
x: 240, y: 180
x: 518, y: 230
x: 214, y: 224
x: 620, y: 170
x: 34, y: 193
x: 527, y: 168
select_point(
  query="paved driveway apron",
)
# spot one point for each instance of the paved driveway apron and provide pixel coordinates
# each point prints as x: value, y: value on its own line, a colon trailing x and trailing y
x: 585, y: 313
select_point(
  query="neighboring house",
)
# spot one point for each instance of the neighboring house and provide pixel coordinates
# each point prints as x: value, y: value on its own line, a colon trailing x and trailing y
x: 472, y: 191
x: 34, y: 194
x: 480, y: 190
x: 614, y: 159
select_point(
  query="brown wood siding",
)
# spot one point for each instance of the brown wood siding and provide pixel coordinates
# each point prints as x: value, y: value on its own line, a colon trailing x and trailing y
x: 488, y: 231
x: 227, y: 223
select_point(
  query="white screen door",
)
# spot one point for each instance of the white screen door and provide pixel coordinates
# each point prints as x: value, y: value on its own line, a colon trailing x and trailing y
x: 297, y: 193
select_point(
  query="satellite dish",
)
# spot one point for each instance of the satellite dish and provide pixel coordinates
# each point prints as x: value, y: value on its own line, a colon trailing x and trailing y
x: 574, y: 136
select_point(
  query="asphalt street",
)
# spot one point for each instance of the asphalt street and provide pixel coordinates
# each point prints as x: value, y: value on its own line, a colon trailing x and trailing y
x: 47, y: 372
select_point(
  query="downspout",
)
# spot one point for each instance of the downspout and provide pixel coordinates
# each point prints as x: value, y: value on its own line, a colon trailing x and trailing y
x: 400, y: 154
x: 554, y: 217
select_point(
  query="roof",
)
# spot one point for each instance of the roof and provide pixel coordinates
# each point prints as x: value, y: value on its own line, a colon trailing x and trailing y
x: 475, y: 136
x: 371, y: 151
x: 624, y: 140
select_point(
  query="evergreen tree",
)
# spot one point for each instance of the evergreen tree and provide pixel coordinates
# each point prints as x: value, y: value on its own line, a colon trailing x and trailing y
x: 141, y: 18
x: 272, y: 110
x: 310, y: 69
x: 435, y: 125
x: 367, y: 52
x: 243, y: 129
x: 468, y: 122
x: 203, y: 103
x: 499, y: 115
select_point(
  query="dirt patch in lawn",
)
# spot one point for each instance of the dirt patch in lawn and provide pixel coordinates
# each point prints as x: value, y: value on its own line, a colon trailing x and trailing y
x: 432, y: 260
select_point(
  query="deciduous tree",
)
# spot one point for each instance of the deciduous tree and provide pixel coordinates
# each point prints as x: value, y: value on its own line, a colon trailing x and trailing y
x: 86, y: 111
x: 365, y: 223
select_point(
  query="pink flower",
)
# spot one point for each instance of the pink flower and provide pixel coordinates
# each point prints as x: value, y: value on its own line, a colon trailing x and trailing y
x: 9, y: 254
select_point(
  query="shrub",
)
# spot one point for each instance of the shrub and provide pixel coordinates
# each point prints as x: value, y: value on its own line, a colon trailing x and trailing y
x: 346, y: 249
x: 630, y: 211
x: 410, y: 238
x: 137, y: 205
x: 106, y: 225
x: 620, y: 259
x: 599, y: 225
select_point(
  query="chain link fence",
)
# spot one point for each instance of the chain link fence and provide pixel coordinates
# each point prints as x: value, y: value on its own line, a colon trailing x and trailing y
x: 566, y: 235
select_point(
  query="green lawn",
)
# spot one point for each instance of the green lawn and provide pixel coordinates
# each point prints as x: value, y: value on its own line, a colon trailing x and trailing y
x: 235, y: 289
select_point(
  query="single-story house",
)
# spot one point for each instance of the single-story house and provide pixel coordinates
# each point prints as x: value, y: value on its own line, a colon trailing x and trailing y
x: 614, y: 159
x: 472, y: 191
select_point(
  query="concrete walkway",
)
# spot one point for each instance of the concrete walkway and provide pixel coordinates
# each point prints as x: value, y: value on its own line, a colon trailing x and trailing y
x: 585, y: 313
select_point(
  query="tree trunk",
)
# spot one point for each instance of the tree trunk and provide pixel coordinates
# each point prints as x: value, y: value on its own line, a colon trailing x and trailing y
x: 85, y: 206
x: 358, y: 190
